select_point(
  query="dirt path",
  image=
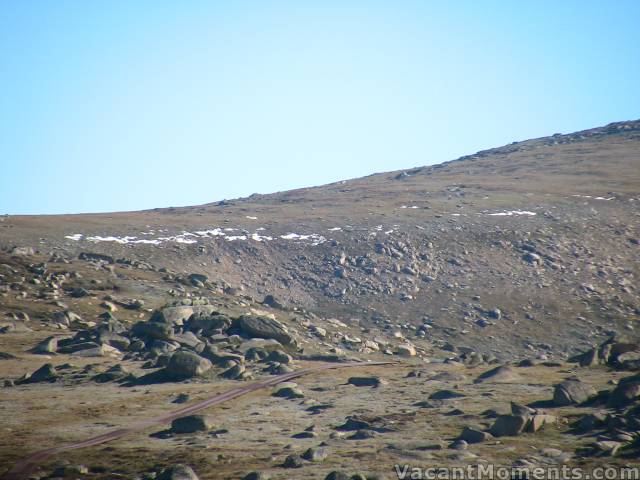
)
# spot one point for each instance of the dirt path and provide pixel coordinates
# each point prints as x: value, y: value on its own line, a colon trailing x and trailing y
x: 23, y: 468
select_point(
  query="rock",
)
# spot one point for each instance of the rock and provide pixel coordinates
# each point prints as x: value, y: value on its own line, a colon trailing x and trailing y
x: 234, y: 373
x: 209, y: 323
x: 45, y: 373
x: 155, y: 330
x: 177, y: 472
x: 315, y: 454
x: 589, y: 358
x: 280, y: 357
x: 471, y: 435
x: 23, y: 251
x: 46, y: 346
x: 255, y: 476
x: 192, y: 424
x: 264, y: 327
x: 626, y: 392
x: 606, y: 448
x: 292, y: 461
x: 178, y: 315
x: 459, y: 445
x: 508, y: 425
x: 406, y: 350
x: 289, y: 392
x: 362, y: 435
x: 184, y: 364
x: 79, y: 292
x: 522, y: 410
x: 266, y: 345
x: 115, y: 373
x: 272, y: 302
x: 366, y: 381
x: 198, y: 279
x: 590, y: 422
x: 536, y: 422
x: 501, y: 374
x: 114, y: 340
x: 188, y: 339
x: 109, y: 306
x: 445, y: 395
x: 95, y: 257
x: 532, y: 258
x: 336, y: 475
x: 572, y: 392
x: 77, y: 347
x: 70, y: 471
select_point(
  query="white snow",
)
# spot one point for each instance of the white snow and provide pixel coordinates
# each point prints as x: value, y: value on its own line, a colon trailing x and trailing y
x: 260, y: 238
x: 511, y: 213
x: 251, y: 218
x: 335, y: 229
x: 231, y: 238
x: 75, y: 237
x: 314, y: 237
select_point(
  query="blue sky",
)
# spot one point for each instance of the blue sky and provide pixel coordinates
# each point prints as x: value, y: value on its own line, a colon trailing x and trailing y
x: 120, y: 105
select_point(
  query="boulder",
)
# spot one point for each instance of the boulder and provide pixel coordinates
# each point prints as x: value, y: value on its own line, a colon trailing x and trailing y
x: 184, y: 364
x: 45, y: 373
x: 571, y: 392
x: 501, y: 374
x: 192, y: 424
x: 177, y: 472
x: 508, y: 425
x: 537, y: 421
x: 315, y: 454
x: 366, y: 381
x: 154, y: 330
x: 626, y: 392
x: 472, y: 435
x: 406, y: 350
x: 264, y: 327
x: 46, y: 346
x: 209, y: 323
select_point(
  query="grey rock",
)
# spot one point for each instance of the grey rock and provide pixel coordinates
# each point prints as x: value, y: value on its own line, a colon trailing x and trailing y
x: 508, y: 425
x: 264, y: 327
x: 46, y: 346
x: 366, y: 381
x: 472, y: 435
x: 177, y: 472
x: 572, y: 392
x: 45, y: 373
x: 192, y: 424
x: 315, y: 454
x: 501, y: 374
x: 186, y: 365
x: 292, y: 461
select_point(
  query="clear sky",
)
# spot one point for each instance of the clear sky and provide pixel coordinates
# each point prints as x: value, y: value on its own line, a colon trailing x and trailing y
x: 126, y: 105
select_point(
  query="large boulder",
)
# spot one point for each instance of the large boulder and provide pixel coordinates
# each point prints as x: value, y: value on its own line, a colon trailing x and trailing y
x: 508, y: 425
x: 207, y: 322
x: 154, y: 330
x: 179, y: 314
x: 183, y: 364
x: 264, y: 327
x: 571, y: 392
x: 626, y: 392
x: 501, y: 374
x: 192, y: 424
x: 45, y: 373
x: 177, y: 472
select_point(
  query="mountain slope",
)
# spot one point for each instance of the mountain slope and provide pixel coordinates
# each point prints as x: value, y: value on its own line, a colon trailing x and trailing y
x: 530, y: 246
